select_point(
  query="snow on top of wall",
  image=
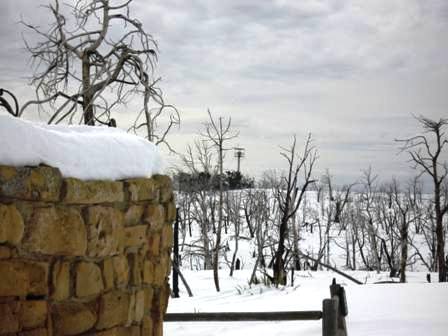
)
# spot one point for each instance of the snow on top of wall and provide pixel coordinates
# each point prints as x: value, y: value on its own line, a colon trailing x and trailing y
x: 84, y: 152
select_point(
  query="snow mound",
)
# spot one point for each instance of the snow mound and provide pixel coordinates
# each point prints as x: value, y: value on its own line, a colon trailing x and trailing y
x: 84, y: 152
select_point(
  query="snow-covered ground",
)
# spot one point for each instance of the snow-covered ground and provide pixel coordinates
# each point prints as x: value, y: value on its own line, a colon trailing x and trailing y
x: 414, y: 308
x: 411, y: 309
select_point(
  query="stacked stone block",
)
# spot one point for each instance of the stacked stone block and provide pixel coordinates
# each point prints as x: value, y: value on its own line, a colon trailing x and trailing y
x: 83, y: 257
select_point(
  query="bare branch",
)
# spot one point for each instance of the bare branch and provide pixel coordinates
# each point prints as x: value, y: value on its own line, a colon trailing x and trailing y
x: 78, y: 56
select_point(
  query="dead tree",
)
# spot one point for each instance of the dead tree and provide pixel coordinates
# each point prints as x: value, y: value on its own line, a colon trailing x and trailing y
x: 265, y: 210
x: 428, y: 231
x: 369, y: 197
x: 198, y: 161
x: 249, y: 210
x: 404, y: 203
x: 289, y: 196
x: 217, y: 132
x: 426, y: 151
x: 84, y: 70
x: 233, y: 207
x: 387, y: 213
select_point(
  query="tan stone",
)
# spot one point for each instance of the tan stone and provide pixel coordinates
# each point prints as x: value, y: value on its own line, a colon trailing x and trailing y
x: 161, y: 271
x: 113, y: 309
x: 139, y: 305
x: 72, y: 318
x: 60, y: 281
x: 158, y: 328
x: 91, y: 192
x: 20, y: 278
x: 5, y: 252
x: 154, y: 216
x: 134, y: 215
x: 89, y: 280
x: 121, y: 270
x: 143, y: 249
x: 135, y: 262
x: 148, y: 272
x: 149, y: 293
x: 11, y: 225
x: 165, y: 186
x: 167, y: 237
x: 35, y: 332
x: 121, y: 331
x: 157, y: 313
x: 33, y: 314
x: 164, y: 297
x: 146, y: 328
x: 9, y: 317
x: 104, y: 231
x: 154, y: 244
x: 159, y: 275
x: 135, y: 236
x: 107, y: 268
x: 132, y: 331
x: 15, y: 280
x: 38, y: 273
x: 37, y: 183
x: 55, y: 231
x: 131, y: 310
x: 141, y: 189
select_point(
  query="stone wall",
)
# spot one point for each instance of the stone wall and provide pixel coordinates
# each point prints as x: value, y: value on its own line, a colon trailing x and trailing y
x: 83, y: 257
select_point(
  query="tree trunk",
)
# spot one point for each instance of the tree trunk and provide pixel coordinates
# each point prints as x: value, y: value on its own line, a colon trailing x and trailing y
x: 219, y: 229
x: 279, y: 265
x: 87, y: 102
x: 254, y: 271
x: 404, y: 250
x: 441, y: 250
x: 295, y: 237
x: 206, y: 246
x: 440, y: 234
x: 374, y: 246
x: 232, y: 265
x: 354, y: 254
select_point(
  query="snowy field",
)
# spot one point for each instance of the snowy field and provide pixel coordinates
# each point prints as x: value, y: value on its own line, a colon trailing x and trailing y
x: 415, y: 308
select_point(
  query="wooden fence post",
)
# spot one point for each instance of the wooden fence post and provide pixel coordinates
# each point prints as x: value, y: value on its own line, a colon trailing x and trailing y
x: 337, y: 293
x: 330, y: 317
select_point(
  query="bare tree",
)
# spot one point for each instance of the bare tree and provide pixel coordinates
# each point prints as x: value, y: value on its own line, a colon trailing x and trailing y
x: 82, y: 68
x: 405, y: 203
x: 249, y: 210
x: 218, y: 132
x: 369, y: 198
x: 332, y: 213
x: 289, y: 196
x: 426, y: 151
x: 198, y: 160
x: 424, y: 212
x: 233, y: 207
x: 265, y: 214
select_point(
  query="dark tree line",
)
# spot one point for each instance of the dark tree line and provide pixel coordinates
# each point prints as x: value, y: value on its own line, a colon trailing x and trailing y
x: 232, y: 180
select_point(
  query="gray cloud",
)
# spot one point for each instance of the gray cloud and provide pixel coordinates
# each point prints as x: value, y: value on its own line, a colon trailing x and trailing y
x: 350, y: 72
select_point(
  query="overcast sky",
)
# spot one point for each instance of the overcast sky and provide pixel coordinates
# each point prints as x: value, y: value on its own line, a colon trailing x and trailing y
x: 350, y: 72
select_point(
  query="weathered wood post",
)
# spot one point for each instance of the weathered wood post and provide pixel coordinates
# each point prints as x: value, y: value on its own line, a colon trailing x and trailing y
x: 330, y: 317
x: 334, y: 312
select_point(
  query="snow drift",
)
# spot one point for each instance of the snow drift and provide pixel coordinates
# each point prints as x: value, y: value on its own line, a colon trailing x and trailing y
x: 84, y: 152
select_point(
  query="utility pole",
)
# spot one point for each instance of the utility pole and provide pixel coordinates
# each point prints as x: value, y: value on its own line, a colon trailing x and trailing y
x: 238, y: 153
